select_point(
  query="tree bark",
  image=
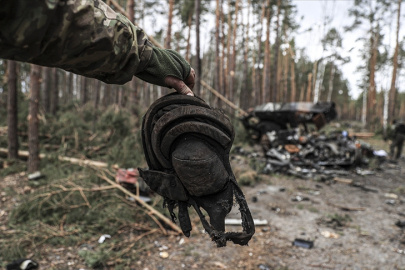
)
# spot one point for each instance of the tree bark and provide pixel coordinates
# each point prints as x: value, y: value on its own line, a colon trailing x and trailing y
x: 12, y: 112
x: 169, y: 26
x: 188, y: 37
x: 331, y: 76
x: 33, y: 123
x: 222, y: 90
x: 274, y: 89
x: 233, y: 59
x: 266, y: 64
x: 258, y: 85
x: 392, y: 93
x: 84, y: 88
x: 198, y: 60
x: 133, y: 84
x: 97, y: 85
x: 293, y: 84
x: 217, y: 42
x: 228, y: 51
x: 245, y: 96
x: 309, y: 87
x: 55, y: 92
x: 46, y: 100
x: 372, y: 89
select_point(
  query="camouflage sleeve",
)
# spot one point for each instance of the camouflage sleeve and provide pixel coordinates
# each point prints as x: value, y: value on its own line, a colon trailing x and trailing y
x: 85, y: 37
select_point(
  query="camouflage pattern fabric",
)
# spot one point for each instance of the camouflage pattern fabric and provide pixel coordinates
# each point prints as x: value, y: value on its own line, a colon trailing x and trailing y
x: 85, y: 37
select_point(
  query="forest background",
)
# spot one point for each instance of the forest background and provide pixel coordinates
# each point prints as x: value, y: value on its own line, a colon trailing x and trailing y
x: 248, y: 54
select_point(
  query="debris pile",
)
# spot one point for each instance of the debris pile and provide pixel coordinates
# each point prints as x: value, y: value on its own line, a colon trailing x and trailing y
x: 289, y: 135
x: 313, y: 154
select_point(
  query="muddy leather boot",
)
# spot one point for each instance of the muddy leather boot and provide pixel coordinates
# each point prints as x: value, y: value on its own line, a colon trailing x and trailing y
x: 186, y: 145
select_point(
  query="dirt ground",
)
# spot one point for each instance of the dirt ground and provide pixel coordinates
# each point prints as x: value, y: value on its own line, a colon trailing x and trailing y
x: 362, y: 237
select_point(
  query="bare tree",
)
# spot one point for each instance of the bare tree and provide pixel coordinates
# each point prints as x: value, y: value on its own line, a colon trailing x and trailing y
x: 33, y: 125
x: 55, y: 92
x: 47, y: 79
x: 12, y: 112
x: 266, y: 64
x: 276, y: 50
x: 169, y: 25
x: 198, y: 60
x: 392, y: 92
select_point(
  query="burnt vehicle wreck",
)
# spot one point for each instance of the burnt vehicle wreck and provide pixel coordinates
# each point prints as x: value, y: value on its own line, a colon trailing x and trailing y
x: 291, y: 148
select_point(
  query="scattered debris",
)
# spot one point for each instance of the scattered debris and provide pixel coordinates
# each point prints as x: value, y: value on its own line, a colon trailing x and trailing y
x: 35, y: 176
x: 22, y: 264
x: 257, y: 222
x: 364, y: 172
x: 103, y: 238
x: 299, y: 198
x: 391, y: 196
x: 347, y: 208
x: 264, y: 267
x: 400, y: 223
x: 303, y: 243
x: 390, y: 202
x: 328, y: 234
x: 164, y: 254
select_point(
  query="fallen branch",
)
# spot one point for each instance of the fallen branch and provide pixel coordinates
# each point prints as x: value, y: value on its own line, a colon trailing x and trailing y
x: 347, y: 208
x: 343, y: 180
x: 81, y: 162
x: 141, y: 202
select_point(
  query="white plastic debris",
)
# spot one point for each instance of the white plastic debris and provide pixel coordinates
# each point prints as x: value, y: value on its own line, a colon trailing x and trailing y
x: 182, y: 241
x: 234, y: 221
x: 103, y: 237
x: 35, y: 175
x: 391, y: 196
x: 380, y: 153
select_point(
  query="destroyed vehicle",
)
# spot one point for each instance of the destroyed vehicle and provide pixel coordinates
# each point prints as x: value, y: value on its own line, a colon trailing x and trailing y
x: 282, y: 116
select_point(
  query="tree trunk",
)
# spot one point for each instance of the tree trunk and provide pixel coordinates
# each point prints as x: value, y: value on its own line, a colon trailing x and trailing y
x: 233, y: 59
x: 371, y: 102
x: 245, y: 96
x: 70, y: 86
x: 266, y: 63
x: 33, y: 125
x: 223, y: 70
x: 133, y: 84
x: 274, y: 89
x: 131, y: 10
x: 285, y: 78
x: 309, y: 87
x: 302, y: 92
x: 169, y: 25
x: 55, y: 91
x: 217, y: 42
x: 228, y: 51
x: 188, y: 37
x: 331, y: 76
x: 198, y: 60
x: 293, y: 85
x: 258, y: 85
x: 84, y: 88
x: 392, y: 93
x: 46, y: 100
x: 12, y: 112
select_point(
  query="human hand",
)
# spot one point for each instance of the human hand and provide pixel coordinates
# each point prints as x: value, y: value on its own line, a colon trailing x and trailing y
x: 182, y: 87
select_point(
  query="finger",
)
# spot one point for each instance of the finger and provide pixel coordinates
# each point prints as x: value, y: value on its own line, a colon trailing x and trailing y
x: 178, y: 85
x: 190, y: 81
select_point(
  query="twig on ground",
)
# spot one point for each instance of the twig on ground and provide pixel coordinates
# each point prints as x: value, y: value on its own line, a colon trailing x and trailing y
x: 347, y: 208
